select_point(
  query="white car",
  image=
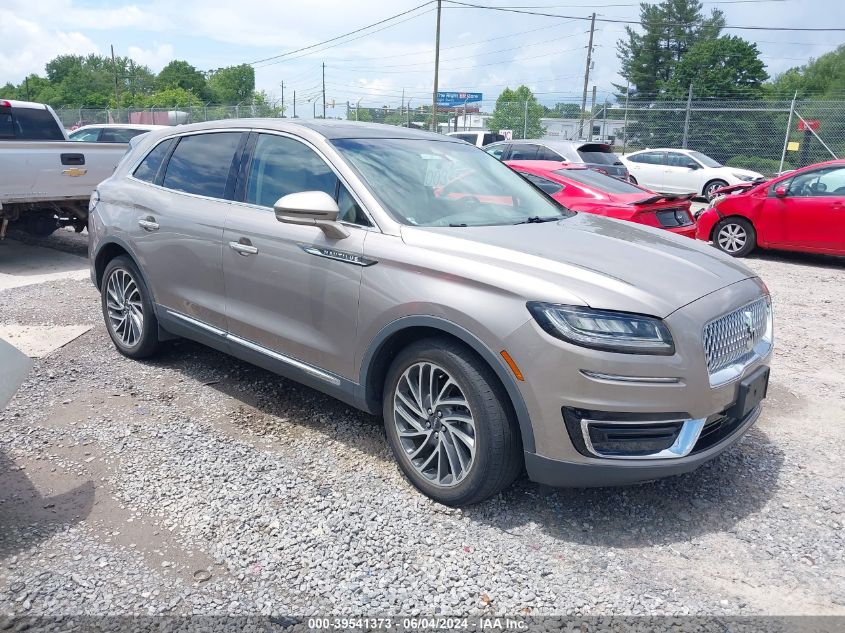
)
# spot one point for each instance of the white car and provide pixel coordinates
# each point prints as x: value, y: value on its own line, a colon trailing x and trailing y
x: 110, y: 132
x: 668, y: 170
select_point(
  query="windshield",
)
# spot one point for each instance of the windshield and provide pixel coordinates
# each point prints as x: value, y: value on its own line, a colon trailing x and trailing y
x: 594, y: 179
x: 705, y: 160
x: 435, y: 183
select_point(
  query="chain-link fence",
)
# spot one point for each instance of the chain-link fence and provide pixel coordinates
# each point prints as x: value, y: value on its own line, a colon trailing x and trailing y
x: 172, y: 115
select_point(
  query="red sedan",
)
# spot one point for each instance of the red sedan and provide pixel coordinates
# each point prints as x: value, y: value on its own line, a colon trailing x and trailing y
x: 803, y: 210
x: 586, y: 190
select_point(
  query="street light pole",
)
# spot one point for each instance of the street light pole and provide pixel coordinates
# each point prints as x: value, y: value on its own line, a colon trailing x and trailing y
x: 436, y: 69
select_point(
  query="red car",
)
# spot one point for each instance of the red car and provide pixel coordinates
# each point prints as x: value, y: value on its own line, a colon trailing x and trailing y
x: 803, y: 210
x: 586, y: 190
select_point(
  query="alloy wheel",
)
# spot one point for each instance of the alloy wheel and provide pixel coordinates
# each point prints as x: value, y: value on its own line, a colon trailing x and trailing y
x: 434, y: 423
x: 125, y: 308
x: 732, y: 238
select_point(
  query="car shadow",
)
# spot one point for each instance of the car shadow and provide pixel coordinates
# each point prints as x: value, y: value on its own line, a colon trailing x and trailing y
x: 713, y: 498
x: 27, y: 517
x: 816, y: 260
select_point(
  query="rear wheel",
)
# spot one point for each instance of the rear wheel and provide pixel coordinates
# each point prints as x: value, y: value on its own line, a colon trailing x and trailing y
x: 128, y: 309
x: 735, y: 236
x: 449, y: 423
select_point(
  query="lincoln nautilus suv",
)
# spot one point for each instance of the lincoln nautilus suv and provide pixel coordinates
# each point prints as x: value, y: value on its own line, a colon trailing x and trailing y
x: 414, y: 276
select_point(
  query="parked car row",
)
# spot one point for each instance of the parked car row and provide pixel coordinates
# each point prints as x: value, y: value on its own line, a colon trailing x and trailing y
x: 110, y: 132
x: 414, y: 276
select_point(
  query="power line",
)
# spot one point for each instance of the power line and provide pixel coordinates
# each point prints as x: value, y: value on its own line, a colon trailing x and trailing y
x: 338, y: 37
x: 640, y: 23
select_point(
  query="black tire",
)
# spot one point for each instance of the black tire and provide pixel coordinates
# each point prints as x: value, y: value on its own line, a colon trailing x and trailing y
x: 633, y: 180
x: 498, y: 451
x: 728, y: 230
x: 146, y: 343
x: 711, y: 186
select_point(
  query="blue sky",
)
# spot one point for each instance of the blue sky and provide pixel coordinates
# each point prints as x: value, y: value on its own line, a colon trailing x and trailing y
x: 482, y: 50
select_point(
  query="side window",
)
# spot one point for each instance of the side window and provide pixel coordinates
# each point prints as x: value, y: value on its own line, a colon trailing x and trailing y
x: 281, y: 166
x: 7, y: 128
x: 523, y: 151
x: 548, y: 186
x: 37, y: 124
x: 148, y: 169
x: 676, y: 159
x: 86, y: 136
x: 544, y: 153
x: 497, y: 152
x: 200, y: 163
x: 819, y: 183
x: 118, y: 135
x: 650, y: 158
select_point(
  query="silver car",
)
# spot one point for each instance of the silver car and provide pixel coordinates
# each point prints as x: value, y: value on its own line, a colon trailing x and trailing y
x: 598, y: 156
x: 415, y: 276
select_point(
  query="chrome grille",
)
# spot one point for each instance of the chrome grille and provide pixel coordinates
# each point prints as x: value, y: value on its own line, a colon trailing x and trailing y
x: 732, y: 337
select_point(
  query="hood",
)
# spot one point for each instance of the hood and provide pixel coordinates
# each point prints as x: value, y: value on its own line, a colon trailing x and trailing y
x: 744, y: 172
x: 603, y: 263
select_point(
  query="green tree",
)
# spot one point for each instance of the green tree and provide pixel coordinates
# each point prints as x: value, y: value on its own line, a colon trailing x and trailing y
x: 180, y: 74
x: 171, y: 97
x: 511, y: 113
x: 824, y: 76
x: 234, y: 84
x: 563, y: 111
x: 359, y: 114
x: 726, y: 66
x: 671, y: 28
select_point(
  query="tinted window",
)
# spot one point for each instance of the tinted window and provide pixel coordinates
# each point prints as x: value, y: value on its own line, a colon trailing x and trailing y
x: 149, y: 167
x: 119, y: 135
x: 523, y: 151
x: 7, y: 130
x: 676, y: 159
x: 36, y: 125
x: 469, y: 138
x: 544, y: 153
x: 200, y: 164
x: 497, y: 151
x: 649, y: 158
x: 548, y: 186
x: 600, y: 154
x: 281, y: 166
x: 599, y: 181
x: 492, y: 138
x: 88, y: 136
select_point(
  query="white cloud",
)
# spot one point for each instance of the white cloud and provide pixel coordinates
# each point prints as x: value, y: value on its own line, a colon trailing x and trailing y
x: 27, y: 46
x: 156, y: 57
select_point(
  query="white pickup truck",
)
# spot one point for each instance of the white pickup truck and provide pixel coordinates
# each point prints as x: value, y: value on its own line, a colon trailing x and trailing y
x: 46, y: 180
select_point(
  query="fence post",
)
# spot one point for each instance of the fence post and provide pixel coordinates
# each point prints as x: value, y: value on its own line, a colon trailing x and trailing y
x: 604, y: 123
x: 788, y: 129
x: 686, y: 119
x: 525, y: 122
x: 625, y: 129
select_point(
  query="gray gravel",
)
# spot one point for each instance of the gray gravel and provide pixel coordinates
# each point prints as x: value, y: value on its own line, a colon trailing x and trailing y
x: 197, y: 484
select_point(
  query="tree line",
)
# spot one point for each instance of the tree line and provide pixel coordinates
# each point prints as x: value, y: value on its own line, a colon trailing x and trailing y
x: 89, y: 81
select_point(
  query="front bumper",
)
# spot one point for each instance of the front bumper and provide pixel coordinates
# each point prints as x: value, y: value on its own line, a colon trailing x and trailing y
x: 603, y: 472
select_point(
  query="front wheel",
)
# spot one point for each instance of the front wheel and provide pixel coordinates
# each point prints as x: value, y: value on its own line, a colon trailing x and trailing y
x: 711, y: 187
x: 735, y: 236
x: 128, y: 309
x: 450, y: 424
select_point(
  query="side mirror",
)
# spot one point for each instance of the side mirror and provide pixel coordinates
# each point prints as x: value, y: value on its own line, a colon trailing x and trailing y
x: 781, y: 191
x: 311, y: 208
x: 692, y: 165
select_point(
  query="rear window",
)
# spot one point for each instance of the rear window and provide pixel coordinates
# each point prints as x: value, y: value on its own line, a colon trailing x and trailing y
x: 36, y: 124
x: 492, y: 138
x: 200, y: 164
x: 597, y: 153
x: 599, y: 181
x: 119, y: 135
x: 148, y: 169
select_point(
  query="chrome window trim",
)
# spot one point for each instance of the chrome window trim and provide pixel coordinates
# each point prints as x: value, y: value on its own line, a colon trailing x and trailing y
x: 298, y: 364
x: 682, y: 447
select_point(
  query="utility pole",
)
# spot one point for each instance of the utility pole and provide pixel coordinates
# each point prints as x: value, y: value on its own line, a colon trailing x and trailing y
x: 436, y: 69
x: 686, y: 118
x: 283, y: 98
x: 324, y: 90
x: 116, y: 96
x: 587, y: 76
x: 625, y: 129
x: 592, y: 115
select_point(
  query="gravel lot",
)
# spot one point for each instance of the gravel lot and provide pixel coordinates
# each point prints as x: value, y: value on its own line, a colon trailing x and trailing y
x: 197, y: 484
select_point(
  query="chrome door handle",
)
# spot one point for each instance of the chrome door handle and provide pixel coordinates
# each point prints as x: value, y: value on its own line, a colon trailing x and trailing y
x: 243, y: 249
x: 148, y: 224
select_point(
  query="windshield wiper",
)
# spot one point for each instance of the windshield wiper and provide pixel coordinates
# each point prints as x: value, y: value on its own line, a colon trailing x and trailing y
x: 536, y: 219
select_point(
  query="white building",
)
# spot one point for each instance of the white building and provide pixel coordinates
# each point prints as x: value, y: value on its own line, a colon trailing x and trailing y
x: 605, y: 130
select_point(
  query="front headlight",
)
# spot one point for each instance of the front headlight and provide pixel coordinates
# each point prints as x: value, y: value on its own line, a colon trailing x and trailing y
x: 743, y: 177
x: 621, y: 332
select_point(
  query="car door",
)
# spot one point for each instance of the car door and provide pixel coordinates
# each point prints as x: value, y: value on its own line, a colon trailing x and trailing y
x: 292, y: 291
x: 177, y: 226
x: 678, y: 176
x: 647, y: 168
x: 811, y: 216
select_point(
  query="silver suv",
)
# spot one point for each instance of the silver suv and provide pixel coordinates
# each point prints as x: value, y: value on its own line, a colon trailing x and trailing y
x: 415, y: 276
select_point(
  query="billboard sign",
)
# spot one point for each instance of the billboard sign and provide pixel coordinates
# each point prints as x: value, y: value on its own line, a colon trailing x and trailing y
x: 451, y: 99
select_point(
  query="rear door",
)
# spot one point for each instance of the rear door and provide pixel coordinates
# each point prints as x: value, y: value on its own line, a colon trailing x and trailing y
x: 647, y: 168
x: 295, y: 292
x: 812, y: 214
x: 178, y: 222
